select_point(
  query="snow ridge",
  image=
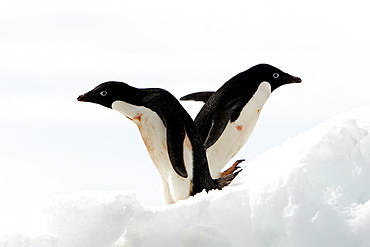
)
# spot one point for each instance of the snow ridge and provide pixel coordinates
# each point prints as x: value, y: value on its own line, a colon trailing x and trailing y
x: 313, y: 190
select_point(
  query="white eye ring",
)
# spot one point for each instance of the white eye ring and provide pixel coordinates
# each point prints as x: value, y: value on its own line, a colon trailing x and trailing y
x: 103, y: 93
x: 275, y: 75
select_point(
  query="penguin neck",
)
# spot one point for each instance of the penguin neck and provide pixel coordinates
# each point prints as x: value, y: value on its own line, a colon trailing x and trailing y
x: 151, y: 130
x: 260, y: 97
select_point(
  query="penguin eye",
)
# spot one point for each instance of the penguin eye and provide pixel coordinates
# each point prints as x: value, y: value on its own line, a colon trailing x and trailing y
x: 103, y: 93
x: 275, y: 75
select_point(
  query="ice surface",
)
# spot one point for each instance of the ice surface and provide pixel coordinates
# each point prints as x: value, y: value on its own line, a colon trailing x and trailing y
x: 313, y: 190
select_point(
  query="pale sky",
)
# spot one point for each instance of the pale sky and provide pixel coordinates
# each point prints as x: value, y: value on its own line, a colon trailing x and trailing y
x: 53, y: 51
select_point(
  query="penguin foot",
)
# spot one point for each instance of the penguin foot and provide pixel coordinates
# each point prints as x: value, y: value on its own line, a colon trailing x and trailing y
x: 232, y: 168
x: 226, y: 180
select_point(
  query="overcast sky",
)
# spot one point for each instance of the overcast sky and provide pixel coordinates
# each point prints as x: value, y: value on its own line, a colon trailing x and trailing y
x: 53, y: 51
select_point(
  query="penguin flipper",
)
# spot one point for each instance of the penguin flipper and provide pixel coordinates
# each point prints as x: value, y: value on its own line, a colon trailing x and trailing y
x: 175, y: 129
x: 175, y: 146
x: 219, y: 123
x: 199, y: 96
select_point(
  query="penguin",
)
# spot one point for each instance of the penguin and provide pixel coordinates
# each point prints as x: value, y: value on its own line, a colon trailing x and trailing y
x: 229, y: 115
x: 169, y: 134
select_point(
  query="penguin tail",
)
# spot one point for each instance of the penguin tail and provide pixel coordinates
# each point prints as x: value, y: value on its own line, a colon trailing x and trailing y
x: 199, y: 96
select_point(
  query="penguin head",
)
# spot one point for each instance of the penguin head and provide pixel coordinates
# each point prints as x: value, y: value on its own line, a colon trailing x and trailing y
x: 108, y: 92
x: 273, y: 75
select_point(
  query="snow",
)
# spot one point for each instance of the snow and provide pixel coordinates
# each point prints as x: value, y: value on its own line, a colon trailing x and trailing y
x: 313, y: 190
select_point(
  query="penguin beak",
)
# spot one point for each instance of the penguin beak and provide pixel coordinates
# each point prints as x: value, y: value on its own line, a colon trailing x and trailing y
x: 296, y: 79
x: 292, y: 79
x: 83, y: 98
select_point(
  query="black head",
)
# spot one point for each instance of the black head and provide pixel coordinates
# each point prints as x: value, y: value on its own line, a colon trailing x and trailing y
x: 271, y: 74
x: 108, y: 92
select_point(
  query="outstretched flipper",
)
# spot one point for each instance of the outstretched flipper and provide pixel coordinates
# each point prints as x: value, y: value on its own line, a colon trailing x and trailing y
x: 199, y: 96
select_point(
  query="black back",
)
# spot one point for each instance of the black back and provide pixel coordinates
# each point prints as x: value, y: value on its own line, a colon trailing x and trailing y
x: 225, y: 105
x: 176, y: 120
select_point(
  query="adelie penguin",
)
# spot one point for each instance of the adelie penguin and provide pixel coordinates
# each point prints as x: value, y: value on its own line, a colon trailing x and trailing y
x: 229, y: 115
x: 169, y: 133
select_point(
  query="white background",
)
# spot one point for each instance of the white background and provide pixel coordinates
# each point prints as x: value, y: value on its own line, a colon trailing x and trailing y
x: 53, y: 51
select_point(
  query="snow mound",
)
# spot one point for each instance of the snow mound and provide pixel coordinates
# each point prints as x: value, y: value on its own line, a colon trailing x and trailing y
x: 87, y: 218
x: 311, y: 191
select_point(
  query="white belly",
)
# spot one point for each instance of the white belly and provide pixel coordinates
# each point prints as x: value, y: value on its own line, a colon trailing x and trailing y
x: 236, y: 134
x: 153, y: 133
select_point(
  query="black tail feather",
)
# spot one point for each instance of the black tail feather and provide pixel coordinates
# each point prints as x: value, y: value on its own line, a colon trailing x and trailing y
x: 200, y: 96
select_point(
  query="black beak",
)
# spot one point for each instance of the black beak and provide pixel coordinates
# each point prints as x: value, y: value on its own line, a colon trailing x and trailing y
x: 292, y: 79
x: 83, y: 98
x: 296, y: 79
